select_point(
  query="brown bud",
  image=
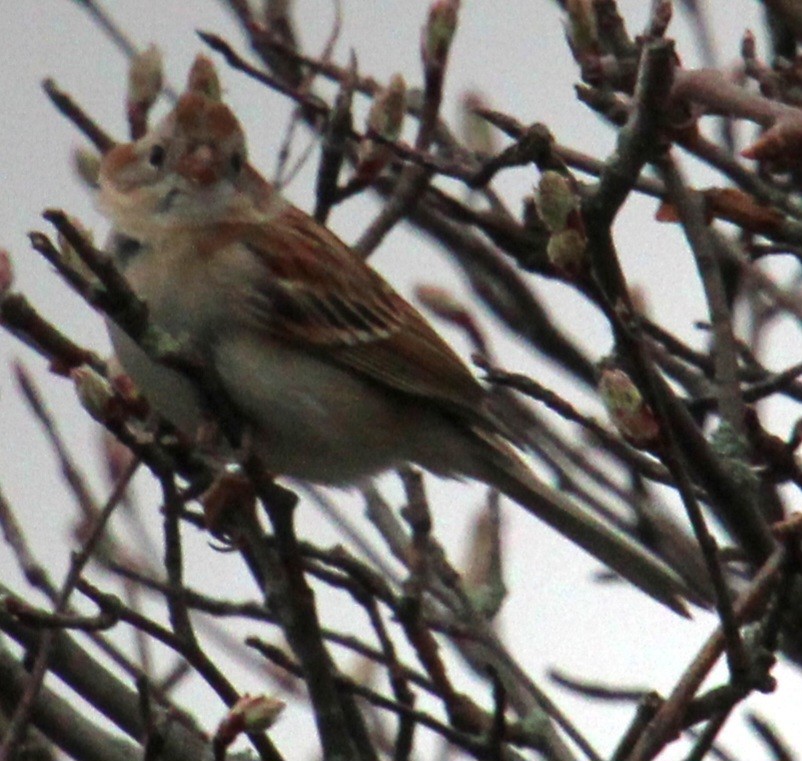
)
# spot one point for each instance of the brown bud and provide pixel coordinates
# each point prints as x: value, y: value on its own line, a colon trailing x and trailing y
x: 442, y: 302
x: 781, y: 143
x: 447, y: 307
x: 126, y: 390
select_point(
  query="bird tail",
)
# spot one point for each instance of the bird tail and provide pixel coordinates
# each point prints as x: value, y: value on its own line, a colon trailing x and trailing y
x: 604, y: 541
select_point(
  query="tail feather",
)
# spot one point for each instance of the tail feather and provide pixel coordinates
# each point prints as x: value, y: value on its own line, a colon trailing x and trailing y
x: 605, y: 542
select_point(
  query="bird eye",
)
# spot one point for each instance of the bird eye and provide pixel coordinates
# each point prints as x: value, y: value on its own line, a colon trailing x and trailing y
x: 236, y: 162
x: 157, y: 154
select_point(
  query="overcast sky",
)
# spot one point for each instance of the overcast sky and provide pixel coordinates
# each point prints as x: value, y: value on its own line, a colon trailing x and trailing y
x: 512, y: 51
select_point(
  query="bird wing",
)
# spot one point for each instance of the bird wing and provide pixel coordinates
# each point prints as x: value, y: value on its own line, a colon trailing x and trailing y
x: 314, y: 292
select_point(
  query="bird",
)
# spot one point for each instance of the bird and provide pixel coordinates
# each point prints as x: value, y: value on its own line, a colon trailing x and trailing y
x: 337, y: 377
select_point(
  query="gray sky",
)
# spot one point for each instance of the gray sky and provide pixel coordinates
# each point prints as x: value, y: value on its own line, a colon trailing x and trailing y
x: 512, y: 51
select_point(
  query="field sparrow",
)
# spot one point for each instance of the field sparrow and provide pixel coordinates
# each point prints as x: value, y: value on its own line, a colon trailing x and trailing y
x: 337, y: 376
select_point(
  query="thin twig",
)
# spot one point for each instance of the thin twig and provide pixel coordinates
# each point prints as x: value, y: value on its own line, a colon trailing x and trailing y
x: 34, y: 572
x: 22, y: 715
x: 69, y: 108
x: 669, y: 718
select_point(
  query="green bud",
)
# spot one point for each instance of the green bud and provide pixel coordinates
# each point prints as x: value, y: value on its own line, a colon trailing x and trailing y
x: 203, y: 78
x: 627, y: 408
x: 582, y: 31
x: 94, y: 391
x: 566, y: 251
x: 86, y: 163
x: 145, y: 77
x: 439, y: 31
x: 555, y: 200
x: 387, y: 111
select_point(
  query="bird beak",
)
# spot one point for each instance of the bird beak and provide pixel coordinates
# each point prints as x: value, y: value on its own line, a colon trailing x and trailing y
x: 200, y: 166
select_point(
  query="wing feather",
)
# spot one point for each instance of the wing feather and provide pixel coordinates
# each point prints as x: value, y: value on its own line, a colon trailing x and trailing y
x: 314, y: 292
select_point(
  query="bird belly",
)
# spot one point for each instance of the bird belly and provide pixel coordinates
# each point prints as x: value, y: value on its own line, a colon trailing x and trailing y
x: 309, y: 419
x: 317, y: 422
